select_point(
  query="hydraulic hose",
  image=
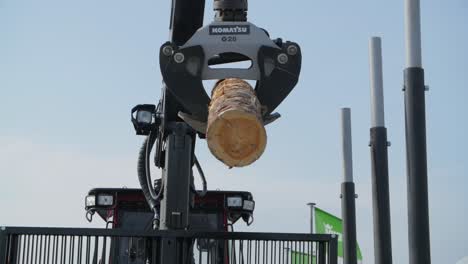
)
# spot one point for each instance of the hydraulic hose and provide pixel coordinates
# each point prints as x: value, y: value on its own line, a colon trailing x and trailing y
x: 144, y: 174
x: 202, y: 176
x: 149, y: 146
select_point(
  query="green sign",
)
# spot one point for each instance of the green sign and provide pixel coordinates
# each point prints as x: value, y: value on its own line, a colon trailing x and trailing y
x: 302, y: 258
x: 325, y: 223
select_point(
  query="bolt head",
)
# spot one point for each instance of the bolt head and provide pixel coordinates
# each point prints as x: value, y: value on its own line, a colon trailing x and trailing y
x: 292, y: 50
x: 283, y: 58
x: 179, y: 57
x: 168, y: 50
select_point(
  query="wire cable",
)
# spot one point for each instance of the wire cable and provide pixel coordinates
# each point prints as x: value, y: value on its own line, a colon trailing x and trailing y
x: 202, y: 176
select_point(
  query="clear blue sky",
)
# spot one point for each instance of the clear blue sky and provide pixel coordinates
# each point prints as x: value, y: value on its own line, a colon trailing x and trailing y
x: 70, y: 71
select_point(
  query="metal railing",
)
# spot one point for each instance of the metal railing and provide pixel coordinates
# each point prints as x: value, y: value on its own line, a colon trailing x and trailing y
x: 99, y: 246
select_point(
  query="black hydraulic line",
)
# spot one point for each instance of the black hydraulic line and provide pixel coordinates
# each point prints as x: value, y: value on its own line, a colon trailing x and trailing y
x: 142, y: 175
x: 149, y: 146
x: 202, y: 176
x: 148, y: 189
x: 418, y: 205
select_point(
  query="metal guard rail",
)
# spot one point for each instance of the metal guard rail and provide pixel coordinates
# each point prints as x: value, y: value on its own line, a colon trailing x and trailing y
x: 99, y: 246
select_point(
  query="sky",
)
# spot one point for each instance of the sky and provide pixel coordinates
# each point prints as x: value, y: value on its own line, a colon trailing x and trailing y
x: 70, y: 71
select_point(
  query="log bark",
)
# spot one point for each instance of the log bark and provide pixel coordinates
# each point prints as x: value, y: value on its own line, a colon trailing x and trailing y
x: 235, y: 133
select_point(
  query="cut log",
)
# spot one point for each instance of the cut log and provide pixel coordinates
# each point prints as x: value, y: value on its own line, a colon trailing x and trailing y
x: 235, y: 132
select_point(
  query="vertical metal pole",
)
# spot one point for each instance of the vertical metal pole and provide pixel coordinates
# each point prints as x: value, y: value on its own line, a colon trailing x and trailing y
x: 312, y: 217
x: 348, y: 203
x: 415, y: 121
x: 379, y: 157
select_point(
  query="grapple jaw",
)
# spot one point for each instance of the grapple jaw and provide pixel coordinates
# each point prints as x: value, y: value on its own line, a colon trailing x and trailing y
x: 275, y: 66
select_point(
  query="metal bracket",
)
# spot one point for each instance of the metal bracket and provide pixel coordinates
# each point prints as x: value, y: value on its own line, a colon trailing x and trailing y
x: 242, y: 38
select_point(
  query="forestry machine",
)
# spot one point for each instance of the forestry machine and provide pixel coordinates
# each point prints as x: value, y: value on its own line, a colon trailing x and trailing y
x: 195, y: 53
x: 169, y: 221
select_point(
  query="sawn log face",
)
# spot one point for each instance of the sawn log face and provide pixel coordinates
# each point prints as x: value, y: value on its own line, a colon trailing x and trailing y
x: 235, y: 132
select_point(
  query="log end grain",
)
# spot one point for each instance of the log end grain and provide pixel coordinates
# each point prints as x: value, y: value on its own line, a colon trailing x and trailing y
x: 235, y: 134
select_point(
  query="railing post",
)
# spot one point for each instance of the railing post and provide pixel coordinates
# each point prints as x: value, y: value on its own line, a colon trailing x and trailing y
x: 13, y: 249
x: 322, y: 254
x: 96, y: 248
x: 333, y: 250
x: 3, y: 245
